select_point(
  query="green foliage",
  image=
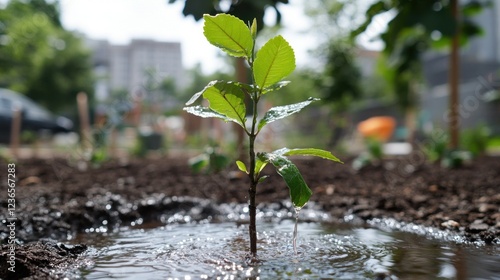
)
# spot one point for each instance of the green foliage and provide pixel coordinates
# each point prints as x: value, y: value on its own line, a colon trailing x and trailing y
x: 437, y: 151
x: 269, y: 65
x: 39, y: 58
x: 436, y: 148
x: 230, y: 35
x: 274, y: 61
x: 409, y: 34
x: 211, y: 161
x: 280, y: 112
x: 299, y: 191
x: 455, y: 159
x: 476, y: 140
x: 427, y: 16
x: 246, y: 10
x: 99, y: 156
x: 494, y: 142
x: 372, y: 156
x: 341, y: 81
x: 28, y: 137
x: 139, y: 148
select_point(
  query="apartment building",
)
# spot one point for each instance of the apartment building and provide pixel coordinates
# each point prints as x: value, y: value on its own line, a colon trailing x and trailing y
x: 130, y: 66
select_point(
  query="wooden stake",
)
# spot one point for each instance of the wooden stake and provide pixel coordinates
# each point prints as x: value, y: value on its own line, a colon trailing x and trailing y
x: 83, y: 112
x: 15, y: 131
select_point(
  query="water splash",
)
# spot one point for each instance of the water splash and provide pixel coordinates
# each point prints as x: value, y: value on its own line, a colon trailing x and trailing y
x: 294, y: 239
x: 218, y: 250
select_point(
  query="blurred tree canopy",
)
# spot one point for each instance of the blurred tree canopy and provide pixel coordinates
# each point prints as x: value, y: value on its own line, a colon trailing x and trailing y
x: 39, y: 58
x: 246, y: 10
x: 415, y: 28
x: 341, y: 82
x: 340, y: 78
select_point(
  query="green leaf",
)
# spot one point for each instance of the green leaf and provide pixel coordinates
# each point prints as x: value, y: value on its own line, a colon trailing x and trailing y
x: 228, y: 33
x: 275, y: 60
x: 205, y: 112
x: 309, y: 152
x: 261, y: 179
x: 299, y: 191
x: 280, y: 112
x: 198, y: 94
x: 241, y: 166
x: 253, y: 28
x: 227, y: 99
x: 260, y: 162
x: 198, y: 163
x: 276, y: 86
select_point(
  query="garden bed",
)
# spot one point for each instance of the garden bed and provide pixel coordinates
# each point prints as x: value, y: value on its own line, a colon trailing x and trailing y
x: 56, y: 199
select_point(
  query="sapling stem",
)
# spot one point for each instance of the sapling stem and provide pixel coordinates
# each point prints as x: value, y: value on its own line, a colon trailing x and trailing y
x: 254, y: 180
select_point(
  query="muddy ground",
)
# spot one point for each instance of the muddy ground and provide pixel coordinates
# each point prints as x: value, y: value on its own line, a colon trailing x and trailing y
x: 56, y: 199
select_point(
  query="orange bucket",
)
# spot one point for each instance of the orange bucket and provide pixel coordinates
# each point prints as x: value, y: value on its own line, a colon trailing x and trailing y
x: 380, y: 128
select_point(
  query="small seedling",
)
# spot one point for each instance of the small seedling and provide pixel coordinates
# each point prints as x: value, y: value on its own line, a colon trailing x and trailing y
x: 210, y: 161
x: 437, y: 151
x: 269, y: 65
x: 373, y: 155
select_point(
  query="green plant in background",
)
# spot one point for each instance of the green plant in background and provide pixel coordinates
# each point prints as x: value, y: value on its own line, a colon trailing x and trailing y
x: 476, y: 140
x: 269, y: 65
x: 372, y: 156
x: 98, y: 156
x: 139, y: 149
x: 455, y: 158
x: 210, y: 161
x: 29, y: 137
x: 494, y: 143
x: 437, y: 151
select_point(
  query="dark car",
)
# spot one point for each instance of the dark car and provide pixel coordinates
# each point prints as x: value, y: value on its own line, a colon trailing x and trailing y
x: 34, y: 117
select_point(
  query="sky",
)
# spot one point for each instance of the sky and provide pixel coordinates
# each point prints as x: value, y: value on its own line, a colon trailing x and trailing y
x: 119, y: 21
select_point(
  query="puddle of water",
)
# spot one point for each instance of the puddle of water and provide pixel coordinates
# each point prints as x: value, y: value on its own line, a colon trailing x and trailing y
x: 324, y: 251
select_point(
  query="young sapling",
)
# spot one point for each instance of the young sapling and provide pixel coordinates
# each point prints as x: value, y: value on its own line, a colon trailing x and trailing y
x: 269, y: 65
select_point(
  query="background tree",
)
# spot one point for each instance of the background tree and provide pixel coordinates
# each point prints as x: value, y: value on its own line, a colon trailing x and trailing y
x: 39, y: 58
x: 340, y: 85
x: 246, y: 10
x: 339, y: 81
x: 415, y: 28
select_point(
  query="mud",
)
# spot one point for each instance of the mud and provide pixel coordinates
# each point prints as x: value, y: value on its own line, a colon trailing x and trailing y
x: 56, y: 199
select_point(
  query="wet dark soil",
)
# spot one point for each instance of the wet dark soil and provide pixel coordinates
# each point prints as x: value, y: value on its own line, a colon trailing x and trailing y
x: 55, y: 199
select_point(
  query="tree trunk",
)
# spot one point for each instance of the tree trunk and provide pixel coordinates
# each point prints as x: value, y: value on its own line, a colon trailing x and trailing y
x: 411, y: 124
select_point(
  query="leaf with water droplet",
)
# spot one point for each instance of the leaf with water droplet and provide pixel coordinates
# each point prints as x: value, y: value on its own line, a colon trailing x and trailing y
x: 276, y: 86
x: 228, y: 99
x: 280, y: 112
x: 299, y: 191
x: 198, y: 94
x: 205, y: 112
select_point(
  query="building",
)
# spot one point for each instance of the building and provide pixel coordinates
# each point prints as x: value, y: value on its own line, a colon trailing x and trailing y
x: 130, y: 67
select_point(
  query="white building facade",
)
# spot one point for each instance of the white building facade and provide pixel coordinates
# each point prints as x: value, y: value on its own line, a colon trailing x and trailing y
x: 128, y: 67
